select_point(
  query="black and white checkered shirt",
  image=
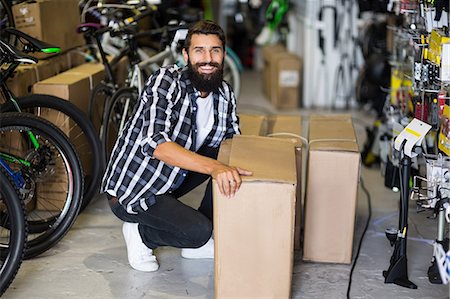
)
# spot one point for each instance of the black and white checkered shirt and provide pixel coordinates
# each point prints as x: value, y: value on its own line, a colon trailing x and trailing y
x: 166, y: 111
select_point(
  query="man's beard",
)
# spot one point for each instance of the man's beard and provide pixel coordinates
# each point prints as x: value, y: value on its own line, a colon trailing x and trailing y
x: 205, y: 82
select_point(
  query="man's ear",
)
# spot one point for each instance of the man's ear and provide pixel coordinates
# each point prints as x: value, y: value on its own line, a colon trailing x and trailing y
x: 185, y: 55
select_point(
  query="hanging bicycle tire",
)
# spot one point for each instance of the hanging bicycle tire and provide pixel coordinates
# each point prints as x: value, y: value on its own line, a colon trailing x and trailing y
x: 53, y: 177
x: 77, y: 127
x: 119, y: 110
x: 13, y: 231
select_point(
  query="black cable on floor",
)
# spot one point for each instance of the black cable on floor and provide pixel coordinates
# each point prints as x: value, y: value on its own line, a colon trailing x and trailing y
x: 369, y: 201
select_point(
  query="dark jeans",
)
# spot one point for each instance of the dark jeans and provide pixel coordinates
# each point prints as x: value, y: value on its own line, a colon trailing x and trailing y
x: 169, y: 222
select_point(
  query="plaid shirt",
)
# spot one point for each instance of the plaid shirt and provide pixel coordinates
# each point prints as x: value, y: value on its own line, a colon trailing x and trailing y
x: 166, y: 112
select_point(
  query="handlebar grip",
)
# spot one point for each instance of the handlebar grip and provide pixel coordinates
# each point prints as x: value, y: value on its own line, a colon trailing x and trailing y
x: 138, y: 17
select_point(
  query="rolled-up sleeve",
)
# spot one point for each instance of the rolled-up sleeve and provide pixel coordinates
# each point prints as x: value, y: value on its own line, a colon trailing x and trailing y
x: 158, y: 99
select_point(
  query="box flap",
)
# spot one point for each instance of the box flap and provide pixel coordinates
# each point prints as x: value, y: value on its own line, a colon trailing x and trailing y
x: 270, y: 159
x: 332, y: 132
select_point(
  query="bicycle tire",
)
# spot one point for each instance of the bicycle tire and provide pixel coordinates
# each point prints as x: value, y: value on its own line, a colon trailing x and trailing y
x: 14, y: 221
x: 102, y: 92
x: 81, y: 131
x: 52, y: 220
x: 231, y: 75
x: 114, y: 115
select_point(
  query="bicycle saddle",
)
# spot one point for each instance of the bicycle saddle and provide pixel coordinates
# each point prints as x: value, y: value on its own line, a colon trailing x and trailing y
x: 36, y: 45
x: 10, y: 54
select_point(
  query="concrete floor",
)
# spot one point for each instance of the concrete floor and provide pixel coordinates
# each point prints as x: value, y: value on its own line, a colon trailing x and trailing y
x: 90, y: 262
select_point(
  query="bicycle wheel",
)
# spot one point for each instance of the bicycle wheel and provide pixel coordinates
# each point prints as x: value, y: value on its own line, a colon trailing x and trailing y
x: 53, y: 181
x: 231, y: 75
x: 13, y: 231
x: 119, y: 110
x: 77, y: 127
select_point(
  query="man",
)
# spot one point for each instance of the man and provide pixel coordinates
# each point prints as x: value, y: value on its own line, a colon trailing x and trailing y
x: 169, y: 147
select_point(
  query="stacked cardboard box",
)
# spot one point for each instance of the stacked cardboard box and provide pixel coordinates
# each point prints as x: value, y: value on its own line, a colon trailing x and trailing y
x: 52, y: 21
x: 254, y: 230
x: 282, y: 77
x: 331, y: 189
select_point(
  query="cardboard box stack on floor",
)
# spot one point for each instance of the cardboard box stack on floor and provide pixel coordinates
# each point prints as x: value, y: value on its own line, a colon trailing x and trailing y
x: 280, y: 126
x: 331, y: 189
x: 290, y: 127
x: 282, y: 77
x: 254, y: 230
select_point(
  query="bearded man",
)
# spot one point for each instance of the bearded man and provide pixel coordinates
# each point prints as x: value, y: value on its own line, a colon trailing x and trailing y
x: 169, y: 147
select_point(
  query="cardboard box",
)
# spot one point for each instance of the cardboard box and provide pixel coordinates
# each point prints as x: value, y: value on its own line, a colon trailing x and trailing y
x: 254, y: 230
x: 331, y: 193
x: 252, y: 124
x: 74, y: 85
x: 268, y: 52
x: 52, y: 21
x: 290, y: 126
x: 21, y: 83
x: 282, y: 77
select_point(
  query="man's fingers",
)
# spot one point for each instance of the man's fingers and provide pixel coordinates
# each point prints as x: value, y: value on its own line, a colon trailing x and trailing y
x: 244, y: 171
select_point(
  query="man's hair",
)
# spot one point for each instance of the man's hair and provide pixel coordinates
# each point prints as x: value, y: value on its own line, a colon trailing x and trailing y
x: 204, y: 27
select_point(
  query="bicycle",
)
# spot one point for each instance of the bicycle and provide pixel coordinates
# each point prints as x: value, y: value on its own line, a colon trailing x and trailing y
x: 63, y: 113
x: 13, y: 231
x: 36, y: 152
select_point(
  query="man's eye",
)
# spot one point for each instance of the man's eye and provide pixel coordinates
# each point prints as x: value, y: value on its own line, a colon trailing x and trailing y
x: 216, y: 51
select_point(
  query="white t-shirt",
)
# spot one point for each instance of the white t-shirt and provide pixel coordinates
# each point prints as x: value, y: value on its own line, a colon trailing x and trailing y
x: 205, y: 118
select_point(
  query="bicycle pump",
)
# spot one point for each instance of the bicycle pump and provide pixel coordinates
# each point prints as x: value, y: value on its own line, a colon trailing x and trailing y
x: 407, y: 142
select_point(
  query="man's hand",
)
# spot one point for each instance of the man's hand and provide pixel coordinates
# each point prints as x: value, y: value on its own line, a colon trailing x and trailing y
x: 228, y: 178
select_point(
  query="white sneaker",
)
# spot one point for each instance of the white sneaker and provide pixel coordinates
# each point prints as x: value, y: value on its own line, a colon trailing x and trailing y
x: 204, y: 252
x: 140, y: 256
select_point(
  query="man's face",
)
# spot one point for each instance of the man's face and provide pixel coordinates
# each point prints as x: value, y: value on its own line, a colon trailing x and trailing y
x: 205, y: 61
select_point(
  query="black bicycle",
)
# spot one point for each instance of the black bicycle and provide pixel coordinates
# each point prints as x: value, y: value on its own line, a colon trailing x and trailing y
x: 13, y: 231
x: 62, y: 113
x: 44, y: 166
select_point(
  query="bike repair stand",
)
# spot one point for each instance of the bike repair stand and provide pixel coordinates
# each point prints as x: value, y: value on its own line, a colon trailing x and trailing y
x: 407, y: 141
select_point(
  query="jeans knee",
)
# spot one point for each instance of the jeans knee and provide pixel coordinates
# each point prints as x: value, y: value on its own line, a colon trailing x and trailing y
x: 201, y: 233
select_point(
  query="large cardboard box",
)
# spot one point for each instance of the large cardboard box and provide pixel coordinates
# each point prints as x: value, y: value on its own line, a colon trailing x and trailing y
x: 282, y: 77
x: 254, y: 230
x: 331, y: 192
x: 52, y: 21
x: 268, y: 52
x: 290, y: 126
x: 74, y: 85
